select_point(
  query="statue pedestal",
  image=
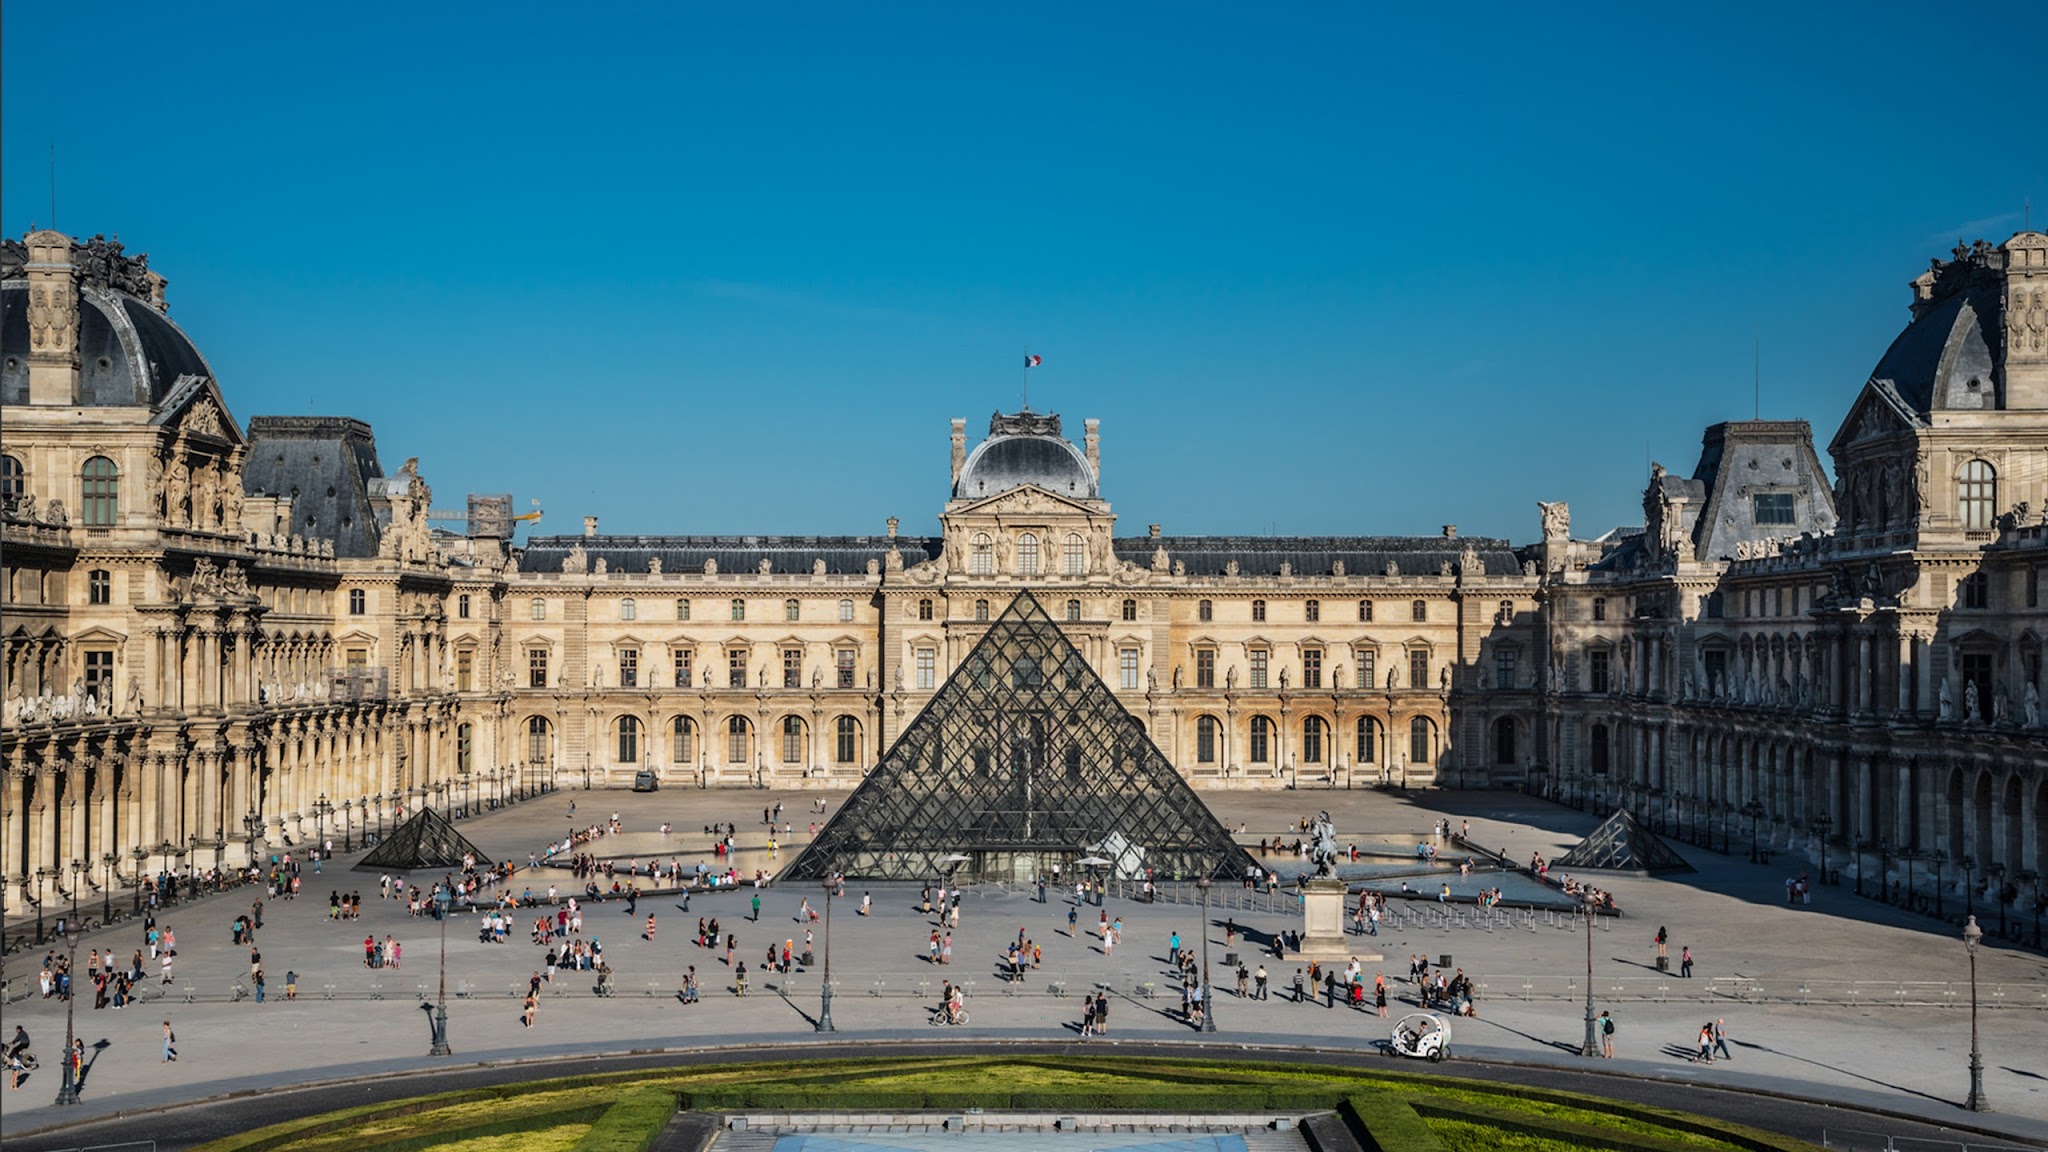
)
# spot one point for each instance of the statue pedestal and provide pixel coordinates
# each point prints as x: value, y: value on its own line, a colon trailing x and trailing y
x: 1322, y: 925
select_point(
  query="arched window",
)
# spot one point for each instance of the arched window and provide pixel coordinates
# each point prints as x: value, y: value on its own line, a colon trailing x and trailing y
x: 629, y: 740
x: 1421, y: 738
x: 739, y: 609
x: 1976, y: 496
x: 102, y: 492
x: 1205, y: 739
x: 464, y: 739
x: 13, y: 479
x: 1205, y: 611
x: 682, y: 609
x: 540, y: 745
x: 924, y: 609
x: 1504, y: 740
x: 1368, y: 740
x: 1312, y: 729
x: 682, y: 744
x: 1130, y: 610
x: 846, y: 740
x: 983, y: 562
x: 1073, y: 611
x: 846, y: 611
x: 1258, y: 610
x: 792, y: 740
x: 1262, y: 740
x: 1365, y: 611
x: 1419, y: 610
x: 737, y: 734
x: 537, y: 608
x: 628, y: 610
x: 1597, y: 750
x: 99, y: 586
x: 981, y: 611
x: 1312, y: 611
x: 1074, y: 557
x: 1027, y: 555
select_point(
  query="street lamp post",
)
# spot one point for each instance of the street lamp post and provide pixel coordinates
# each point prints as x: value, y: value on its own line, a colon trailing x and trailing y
x: 1977, y: 1101
x: 1203, y: 883
x: 141, y: 855
x: 1820, y: 825
x: 825, y: 985
x: 42, y: 875
x: 77, y: 879
x: 1940, y: 858
x: 1969, y: 864
x: 67, y: 1090
x: 442, y: 898
x: 1754, y: 809
x: 107, y: 890
x: 1591, y: 1047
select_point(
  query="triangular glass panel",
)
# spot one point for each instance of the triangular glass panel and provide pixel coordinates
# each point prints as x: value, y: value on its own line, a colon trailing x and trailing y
x: 427, y: 841
x: 1022, y: 760
x: 1622, y: 844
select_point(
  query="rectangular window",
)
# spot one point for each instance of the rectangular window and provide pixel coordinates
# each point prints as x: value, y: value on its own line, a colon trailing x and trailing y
x: 1717, y: 670
x: 680, y: 657
x: 2034, y: 588
x: 1312, y: 668
x: 1976, y: 591
x: 1205, y: 667
x: 1205, y: 611
x: 791, y: 610
x: 629, y: 610
x: 792, y: 667
x: 538, y: 609
x: 536, y: 667
x: 1259, y: 659
x: 1504, y: 667
x: 1312, y: 611
x: 629, y: 667
x: 1773, y: 508
x: 1418, y: 668
x: 682, y: 609
x: 927, y: 668
x: 99, y: 587
x: 1258, y: 611
x: 848, y: 741
x: 792, y: 741
x: 465, y: 671
x: 1365, y: 611
x: 99, y: 673
x: 358, y: 602
x: 462, y: 606
x: 739, y: 610
x: 1127, y: 668
x: 1599, y: 607
x: 1368, y: 671
x: 736, y: 667
x: 1596, y: 669
x: 846, y: 611
x: 358, y: 657
x: 843, y: 665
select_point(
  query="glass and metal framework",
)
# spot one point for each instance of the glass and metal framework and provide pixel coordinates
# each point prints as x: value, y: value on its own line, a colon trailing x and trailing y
x: 1023, y: 759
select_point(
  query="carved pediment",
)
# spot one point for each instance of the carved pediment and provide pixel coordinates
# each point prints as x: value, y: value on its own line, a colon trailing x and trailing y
x: 1027, y: 500
x: 1875, y: 415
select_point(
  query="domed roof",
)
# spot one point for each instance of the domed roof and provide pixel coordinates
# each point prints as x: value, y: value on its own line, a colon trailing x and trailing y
x: 1021, y: 449
x: 129, y: 352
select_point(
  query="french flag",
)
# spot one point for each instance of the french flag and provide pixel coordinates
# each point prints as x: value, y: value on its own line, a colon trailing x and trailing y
x: 1031, y: 361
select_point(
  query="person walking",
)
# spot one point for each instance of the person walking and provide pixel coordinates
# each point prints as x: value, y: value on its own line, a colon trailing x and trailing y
x: 170, y: 1045
x: 1073, y: 921
x: 1721, y: 1038
x: 1705, y: 1042
x: 1259, y: 983
x: 756, y: 905
x: 1606, y: 1028
x: 1379, y: 992
x: 1173, y: 950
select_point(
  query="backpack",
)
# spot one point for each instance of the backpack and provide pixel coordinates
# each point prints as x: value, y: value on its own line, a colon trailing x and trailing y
x: 1607, y: 1025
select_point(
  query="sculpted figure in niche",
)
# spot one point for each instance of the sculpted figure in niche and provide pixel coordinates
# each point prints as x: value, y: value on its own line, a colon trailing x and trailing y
x: 55, y: 516
x: 1003, y: 551
x: 1393, y: 677
x: 178, y: 507
x: 2030, y: 707
x: 1970, y: 712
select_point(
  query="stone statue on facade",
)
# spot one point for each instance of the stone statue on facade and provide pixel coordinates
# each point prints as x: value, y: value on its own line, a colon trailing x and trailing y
x: 2030, y: 707
x: 2000, y: 707
x: 1970, y: 713
x: 1003, y: 551
x: 1393, y: 676
x: 1947, y: 704
x: 1557, y: 520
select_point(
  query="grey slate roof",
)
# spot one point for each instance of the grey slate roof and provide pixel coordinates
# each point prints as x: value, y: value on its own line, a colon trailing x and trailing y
x: 325, y: 463
x: 1317, y: 555
x: 107, y: 376
x: 843, y: 555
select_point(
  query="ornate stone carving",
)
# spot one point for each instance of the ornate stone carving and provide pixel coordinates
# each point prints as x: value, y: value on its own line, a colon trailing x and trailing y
x: 1557, y: 520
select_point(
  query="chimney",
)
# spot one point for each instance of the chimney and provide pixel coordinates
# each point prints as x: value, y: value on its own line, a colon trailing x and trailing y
x: 52, y: 320
x: 1450, y: 531
x: 589, y: 526
x: 892, y: 527
x: 1094, y: 442
x: 959, y: 449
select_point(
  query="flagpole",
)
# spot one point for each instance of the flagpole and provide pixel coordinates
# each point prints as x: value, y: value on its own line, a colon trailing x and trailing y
x: 1027, y: 377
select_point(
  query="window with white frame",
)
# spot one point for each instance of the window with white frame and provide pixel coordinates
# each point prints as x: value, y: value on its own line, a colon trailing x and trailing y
x: 1027, y: 555
x: 846, y: 611
x: 1127, y: 669
x: 1260, y: 659
x: 1074, y: 556
x: 927, y: 668
x: 628, y: 610
x: 982, y: 562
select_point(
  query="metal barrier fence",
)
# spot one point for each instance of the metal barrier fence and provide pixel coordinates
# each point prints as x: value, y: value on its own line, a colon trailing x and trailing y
x: 1852, y: 1140
x: 1811, y: 993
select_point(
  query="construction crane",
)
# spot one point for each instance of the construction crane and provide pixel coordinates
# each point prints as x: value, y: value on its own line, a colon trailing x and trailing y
x: 485, y: 509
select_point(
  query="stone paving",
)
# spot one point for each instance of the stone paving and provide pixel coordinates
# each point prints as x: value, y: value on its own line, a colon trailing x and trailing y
x: 1907, y: 1059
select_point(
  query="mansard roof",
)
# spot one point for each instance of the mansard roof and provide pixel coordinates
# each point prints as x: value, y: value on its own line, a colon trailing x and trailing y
x: 1319, y: 555
x: 1026, y: 448
x: 325, y: 465
x: 843, y: 555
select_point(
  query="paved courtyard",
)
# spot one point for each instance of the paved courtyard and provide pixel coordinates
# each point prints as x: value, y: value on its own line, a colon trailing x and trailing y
x: 1849, y: 958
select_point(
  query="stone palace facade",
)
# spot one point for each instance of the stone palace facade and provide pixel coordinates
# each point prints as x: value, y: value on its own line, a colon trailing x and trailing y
x: 220, y: 638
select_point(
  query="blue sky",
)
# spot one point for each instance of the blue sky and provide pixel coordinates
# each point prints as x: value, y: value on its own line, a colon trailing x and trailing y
x: 1318, y: 269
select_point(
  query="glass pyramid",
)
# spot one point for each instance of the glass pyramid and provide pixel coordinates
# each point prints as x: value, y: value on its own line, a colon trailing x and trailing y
x: 427, y: 841
x: 1023, y: 759
x: 1622, y: 844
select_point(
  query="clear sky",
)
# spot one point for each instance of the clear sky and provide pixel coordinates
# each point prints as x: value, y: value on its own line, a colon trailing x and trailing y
x: 1350, y: 268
